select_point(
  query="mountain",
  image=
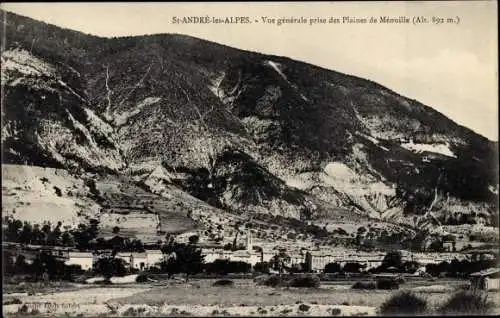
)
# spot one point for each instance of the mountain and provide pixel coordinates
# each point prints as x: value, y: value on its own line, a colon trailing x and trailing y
x: 245, y: 132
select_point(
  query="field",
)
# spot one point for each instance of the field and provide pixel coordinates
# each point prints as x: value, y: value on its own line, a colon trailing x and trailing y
x: 198, y: 297
x: 39, y: 194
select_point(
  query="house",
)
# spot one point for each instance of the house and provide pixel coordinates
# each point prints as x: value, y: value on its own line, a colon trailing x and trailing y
x: 316, y: 261
x: 296, y: 259
x: 139, y: 260
x: 488, y: 279
x: 125, y: 256
x: 251, y: 257
x: 154, y: 257
x: 387, y: 275
x: 266, y: 256
x: 449, y: 245
x: 213, y: 254
x: 84, y: 259
x: 58, y: 253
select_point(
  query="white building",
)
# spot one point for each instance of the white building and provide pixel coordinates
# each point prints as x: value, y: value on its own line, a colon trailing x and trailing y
x: 139, y: 260
x: 212, y: 254
x: 84, y: 259
x: 267, y: 256
x: 125, y: 256
x: 246, y: 256
x: 316, y: 260
x: 154, y: 257
x: 487, y: 279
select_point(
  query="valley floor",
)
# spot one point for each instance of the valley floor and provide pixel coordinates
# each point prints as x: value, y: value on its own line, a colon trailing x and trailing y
x: 199, y: 298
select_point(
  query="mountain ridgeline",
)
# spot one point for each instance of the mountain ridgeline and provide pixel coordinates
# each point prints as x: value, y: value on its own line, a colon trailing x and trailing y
x: 243, y: 131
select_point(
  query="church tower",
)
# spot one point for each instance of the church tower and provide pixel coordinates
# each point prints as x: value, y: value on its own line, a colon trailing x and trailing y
x: 249, y: 241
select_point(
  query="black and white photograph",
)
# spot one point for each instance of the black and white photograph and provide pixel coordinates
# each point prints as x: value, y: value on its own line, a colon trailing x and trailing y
x: 250, y: 159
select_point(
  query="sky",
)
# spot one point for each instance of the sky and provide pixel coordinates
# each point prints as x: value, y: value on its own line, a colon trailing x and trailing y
x: 450, y: 67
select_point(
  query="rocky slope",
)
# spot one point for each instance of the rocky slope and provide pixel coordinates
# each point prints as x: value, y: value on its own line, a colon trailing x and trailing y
x: 245, y: 132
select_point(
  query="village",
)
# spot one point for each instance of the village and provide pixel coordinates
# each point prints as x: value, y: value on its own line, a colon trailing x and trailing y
x: 314, y: 259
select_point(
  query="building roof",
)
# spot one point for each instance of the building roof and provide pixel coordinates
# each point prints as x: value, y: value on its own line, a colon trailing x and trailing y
x: 242, y: 253
x: 154, y: 252
x: 215, y: 251
x: 80, y: 254
x: 486, y: 272
x: 123, y: 254
x: 387, y: 275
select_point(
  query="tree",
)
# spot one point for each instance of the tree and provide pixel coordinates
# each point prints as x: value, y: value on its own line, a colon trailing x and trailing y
x: 352, y: 267
x: 26, y: 235
x: 8, y: 259
x: 67, y: 239
x: 84, y: 234
x: 410, y: 266
x: 54, y: 236
x: 93, y: 228
x: 187, y: 259
x: 436, y: 246
x: 361, y: 230
x: 340, y: 231
x: 332, y: 268
x: 224, y: 266
x: 136, y: 245
x: 116, y: 230
x: 47, y: 265
x: 46, y: 232
x: 12, y: 231
x: 262, y: 267
x: 194, y: 239
x: 109, y: 267
x: 392, y: 259
x: 279, y: 261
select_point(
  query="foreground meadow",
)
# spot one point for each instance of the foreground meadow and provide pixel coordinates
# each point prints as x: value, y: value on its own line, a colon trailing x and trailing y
x: 201, y: 298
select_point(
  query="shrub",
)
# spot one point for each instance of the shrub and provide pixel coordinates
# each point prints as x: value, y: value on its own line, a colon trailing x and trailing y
x: 404, y: 303
x: 286, y: 311
x: 352, y: 267
x: 22, y: 310
x: 336, y: 311
x: 261, y: 311
x: 174, y: 311
x: 308, y: 281
x: 304, y: 307
x: 363, y: 285
x: 387, y: 284
x: 131, y: 311
x: 261, y: 267
x: 465, y: 302
x: 273, y: 281
x: 14, y: 301
x: 223, y: 282
x: 332, y: 268
x: 141, y: 278
x: 223, y: 267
